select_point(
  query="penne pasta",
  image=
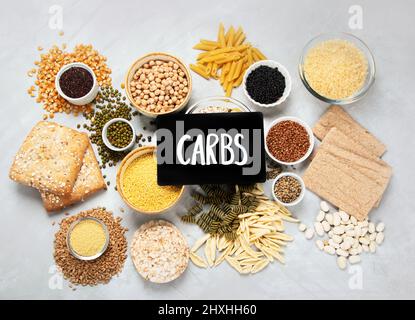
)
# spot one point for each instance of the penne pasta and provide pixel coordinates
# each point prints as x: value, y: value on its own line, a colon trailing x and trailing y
x: 226, y: 58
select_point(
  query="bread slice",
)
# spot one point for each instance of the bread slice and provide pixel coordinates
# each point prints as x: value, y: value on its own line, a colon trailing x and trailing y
x: 89, y: 181
x: 346, y: 176
x: 337, y: 117
x: 50, y: 158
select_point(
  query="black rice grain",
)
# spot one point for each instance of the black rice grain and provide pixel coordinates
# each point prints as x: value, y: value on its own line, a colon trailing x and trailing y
x: 265, y: 85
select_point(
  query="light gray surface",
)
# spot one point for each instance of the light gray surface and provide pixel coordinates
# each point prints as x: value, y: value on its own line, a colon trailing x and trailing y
x: 123, y: 31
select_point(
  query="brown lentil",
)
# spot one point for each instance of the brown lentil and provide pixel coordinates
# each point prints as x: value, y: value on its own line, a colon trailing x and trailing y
x: 288, y: 141
x: 287, y: 189
x: 102, y: 269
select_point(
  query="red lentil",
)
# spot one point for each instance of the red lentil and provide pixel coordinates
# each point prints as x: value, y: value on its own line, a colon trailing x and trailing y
x: 288, y: 141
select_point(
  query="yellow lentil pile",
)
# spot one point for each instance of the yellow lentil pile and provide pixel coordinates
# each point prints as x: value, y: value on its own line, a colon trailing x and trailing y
x: 140, y: 188
x: 87, y: 238
x: 335, y: 69
x: 48, y: 67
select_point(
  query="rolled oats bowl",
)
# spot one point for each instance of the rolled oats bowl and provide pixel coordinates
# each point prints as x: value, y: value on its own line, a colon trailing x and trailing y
x: 158, y: 83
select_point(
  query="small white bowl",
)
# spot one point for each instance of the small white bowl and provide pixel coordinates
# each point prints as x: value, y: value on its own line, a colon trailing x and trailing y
x: 299, y: 179
x: 105, y: 136
x: 89, y: 97
x: 310, y: 135
x: 272, y: 64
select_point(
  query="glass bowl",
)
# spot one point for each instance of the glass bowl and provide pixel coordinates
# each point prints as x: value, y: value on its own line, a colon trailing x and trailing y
x: 370, y: 78
x: 223, y: 102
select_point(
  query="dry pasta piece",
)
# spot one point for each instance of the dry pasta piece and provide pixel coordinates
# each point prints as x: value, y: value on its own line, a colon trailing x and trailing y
x: 226, y: 58
x: 198, y: 260
x: 198, y: 69
x: 259, y: 266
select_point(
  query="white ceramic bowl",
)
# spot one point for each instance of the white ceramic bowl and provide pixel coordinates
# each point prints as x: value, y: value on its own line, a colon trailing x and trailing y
x: 89, y: 97
x: 272, y: 64
x: 299, y: 179
x: 105, y: 136
x: 310, y: 135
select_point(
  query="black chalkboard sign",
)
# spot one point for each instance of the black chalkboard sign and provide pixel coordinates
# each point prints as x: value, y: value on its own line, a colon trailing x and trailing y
x: 210, y: 148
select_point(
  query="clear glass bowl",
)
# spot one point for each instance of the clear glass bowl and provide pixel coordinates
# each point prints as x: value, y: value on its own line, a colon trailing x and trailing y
x: 370, y: 78
x: 224, y: 102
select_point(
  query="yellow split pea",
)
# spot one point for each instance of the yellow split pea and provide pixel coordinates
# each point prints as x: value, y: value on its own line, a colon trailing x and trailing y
x: 140, y: 188
x: 87, y: 238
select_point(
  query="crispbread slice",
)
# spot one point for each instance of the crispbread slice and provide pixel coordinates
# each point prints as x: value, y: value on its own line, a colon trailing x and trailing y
x: 337, y: 117
x: 159, y: 251
x: 50, y: 158
x: 89, y: 181
x: 371, y: 166
x: 346, y: 175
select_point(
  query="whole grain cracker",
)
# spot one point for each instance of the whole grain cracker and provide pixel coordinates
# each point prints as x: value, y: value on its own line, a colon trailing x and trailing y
x: 159, y: 251
x: 337, y: 117
x: 89, y: 181
x: 50, y: 158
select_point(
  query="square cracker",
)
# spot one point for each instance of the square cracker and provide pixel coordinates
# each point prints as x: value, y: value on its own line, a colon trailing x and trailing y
x: 351, y: 181
x: 89, y: 181
x: 50, y: 158
x: 337, y: 117
x: 379, y: 171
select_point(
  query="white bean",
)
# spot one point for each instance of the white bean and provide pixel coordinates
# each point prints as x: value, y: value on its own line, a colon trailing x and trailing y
x: 372, y: 246
x: 320, y: 216
x: 345, y: 245
x: 302, y: 227
x: 363, y: 241
x: 334, y: 244
x: 320, y: 244
x: 337, y: 238
x: 326, y: 226
x: 336, y: 219
x: 319, y: 229
x: 379, y: 238
x: 372, y: 228
x: 329, y: 218
x: 365, y: 248
x: 380, y: 227
x: 341, y: 252
x: 324, y: 206
x: 354, y: 259
x: 342, y: 262
x: 338, y: 230
x: 329, y: 250
x: 353, y: 220
x: 344, y: 216
x: 309, y: 233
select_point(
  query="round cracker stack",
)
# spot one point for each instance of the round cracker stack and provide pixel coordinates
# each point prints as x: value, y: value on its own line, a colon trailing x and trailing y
x: 159, y: 251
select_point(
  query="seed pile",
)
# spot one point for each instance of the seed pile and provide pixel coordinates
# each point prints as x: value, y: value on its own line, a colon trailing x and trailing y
x: 159, y: 86
x: 288, y: 141
x: 265, y: 85
x: 119, y: 134
x: 260, y: 239
x: 110, y: 104
x: 335, y: 69
x: 101, y: 270
x: 287, y: 189
x: 50, y: 64
x: 140, y: 188
x: 347, y: 237
x: 76, y: 82
x: 224, y: 207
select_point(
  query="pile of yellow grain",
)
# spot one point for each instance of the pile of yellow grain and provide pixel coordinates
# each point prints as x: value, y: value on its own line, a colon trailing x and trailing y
x: 48, y: 67
x: 140, y: 188
x: 335, y: 69
x: 226, y: 58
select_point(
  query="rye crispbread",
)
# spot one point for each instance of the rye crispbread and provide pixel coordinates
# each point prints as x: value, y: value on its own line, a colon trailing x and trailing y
x: 50, y: 158
x: 89, y: 181
x: 347, y: 175
x: 159, y: 251
x: 337, y: 117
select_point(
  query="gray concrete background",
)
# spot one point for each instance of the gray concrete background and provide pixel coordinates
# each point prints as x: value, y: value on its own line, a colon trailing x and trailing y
x: 124, y: 30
